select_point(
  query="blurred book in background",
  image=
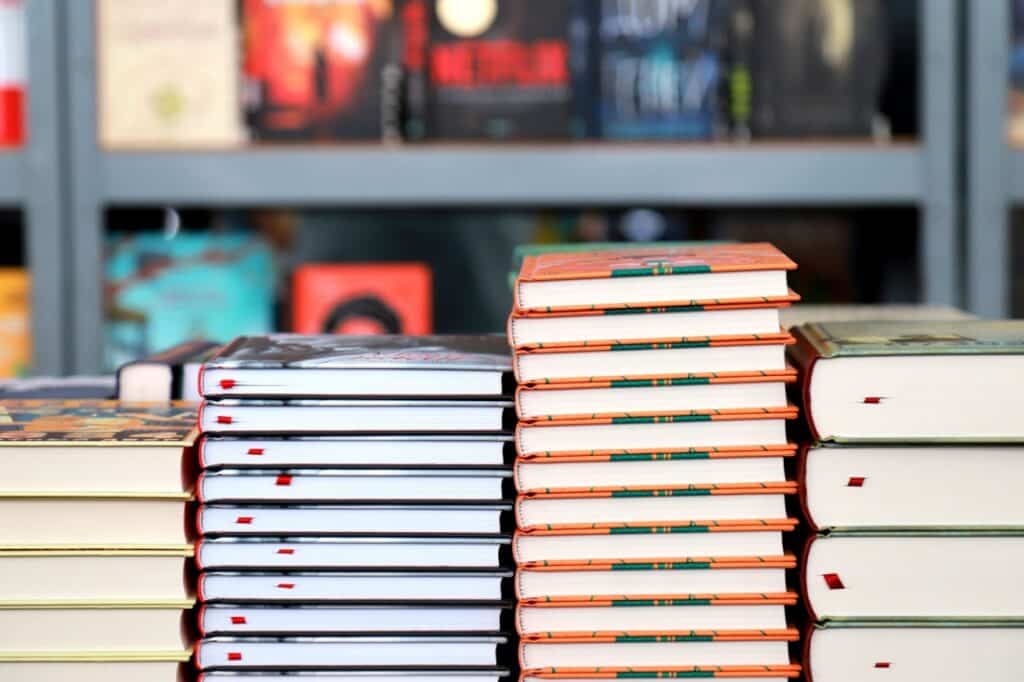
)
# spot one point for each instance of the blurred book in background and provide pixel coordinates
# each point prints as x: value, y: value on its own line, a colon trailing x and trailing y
x: 312, y: 68
x: 12, y: 73
x: 167, y: 73
x: 1015, y: 115
x: 648, y: 70
x: 487, y: 69
x: 812, y: 68
x: 163, y: 291
x: 15, y: 322
x: 368, y: 298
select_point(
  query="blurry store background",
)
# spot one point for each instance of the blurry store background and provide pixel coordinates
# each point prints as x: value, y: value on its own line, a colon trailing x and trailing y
x: 174, y: 170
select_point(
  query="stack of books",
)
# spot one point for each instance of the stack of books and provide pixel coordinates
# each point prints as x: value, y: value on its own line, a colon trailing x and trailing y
x: 356, y: 496
x: 913, y: 486
x: 94, y: 540
x: 652, y: 442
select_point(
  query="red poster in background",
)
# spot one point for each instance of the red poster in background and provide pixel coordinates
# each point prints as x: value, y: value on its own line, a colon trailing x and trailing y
x: 365, y: 298
x: 12, y: 73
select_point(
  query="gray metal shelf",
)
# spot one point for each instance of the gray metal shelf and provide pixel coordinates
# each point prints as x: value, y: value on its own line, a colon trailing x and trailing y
x: 552, y: 175
x: 995, y: 174
x: 31, y: 180
x: 11, y: 186
x: 923, y: 175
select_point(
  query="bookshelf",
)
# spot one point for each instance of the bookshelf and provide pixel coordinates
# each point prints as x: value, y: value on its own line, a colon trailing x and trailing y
x: 922, y: 175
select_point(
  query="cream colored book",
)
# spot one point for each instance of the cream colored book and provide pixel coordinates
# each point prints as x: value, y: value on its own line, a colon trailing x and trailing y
x: 94, y: 629
x: 91, y: 523
x: 169, y: 667
x: 67, y: 577
x: 168, y: 74
x: 97, y: 448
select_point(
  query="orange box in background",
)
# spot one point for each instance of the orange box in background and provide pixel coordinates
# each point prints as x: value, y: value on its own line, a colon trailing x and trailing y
x: 15, y: 337
x: 363, y: 298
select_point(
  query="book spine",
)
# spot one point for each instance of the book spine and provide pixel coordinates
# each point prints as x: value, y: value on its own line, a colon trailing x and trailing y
x: 415, y: 32
x: 803, y: 582
x: 804, y: 355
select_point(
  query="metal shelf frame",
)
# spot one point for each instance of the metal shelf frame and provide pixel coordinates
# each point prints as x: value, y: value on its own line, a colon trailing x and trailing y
x: 995, y: 173
x: 924, y: 175
x: 32, y: 180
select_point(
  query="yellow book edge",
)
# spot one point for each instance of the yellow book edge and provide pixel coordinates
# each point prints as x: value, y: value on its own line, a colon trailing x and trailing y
x: 56, y: 605
x: 94, y: 656
x: 183, y: 496
x: 184, y: 551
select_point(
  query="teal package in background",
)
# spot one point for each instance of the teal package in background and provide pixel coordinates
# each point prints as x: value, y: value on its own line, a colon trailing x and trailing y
x: 161, y: 291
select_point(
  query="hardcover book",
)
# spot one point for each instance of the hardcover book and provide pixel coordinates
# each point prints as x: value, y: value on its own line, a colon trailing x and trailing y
x: 293, y: 365
x: 96, y: 448
x: 535, y: 364
x: 912, y: 381
x: 713, y: 274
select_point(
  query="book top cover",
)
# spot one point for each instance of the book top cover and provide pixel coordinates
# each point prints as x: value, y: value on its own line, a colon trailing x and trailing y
x: 657, y: 260
x: 96, y: 422
x: 952, y: 337
x: 297, y: 351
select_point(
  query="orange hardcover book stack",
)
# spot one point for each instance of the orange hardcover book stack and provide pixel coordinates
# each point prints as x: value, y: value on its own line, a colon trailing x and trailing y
x: 651, y: 448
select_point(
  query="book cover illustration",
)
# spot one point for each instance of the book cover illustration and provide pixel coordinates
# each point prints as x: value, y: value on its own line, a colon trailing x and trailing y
x: 161, y: 292
x: 167, y: 73
x: 96, y: 422
x: 650, y: 70
x: 654, y: 261
x: 952, y: 337
x: 312, y: 68
x: 483, y: 352
x: 495, y: 69
x: 363, y: 298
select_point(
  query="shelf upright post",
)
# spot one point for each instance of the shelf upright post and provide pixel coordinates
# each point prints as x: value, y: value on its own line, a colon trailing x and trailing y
x: 938, y: 253
x: 42, y: 185
x: 85, y: 188
x: 989, y: 169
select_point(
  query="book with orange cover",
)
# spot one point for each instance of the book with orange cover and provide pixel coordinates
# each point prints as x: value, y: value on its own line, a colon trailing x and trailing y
x: 644, y: 431
x: 667, y: 454
x: 667, y: 527
x: 536, y: 364
x: 662, y: 672
x: 596, y: 397
x: 646, y: 321
x: 611, y: 279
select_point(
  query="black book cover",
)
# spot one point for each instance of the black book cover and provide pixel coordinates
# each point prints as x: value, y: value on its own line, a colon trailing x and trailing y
x: 494, y: 69
x: 649, y: 70
x: 487, y: 352
x: 817, y: 67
